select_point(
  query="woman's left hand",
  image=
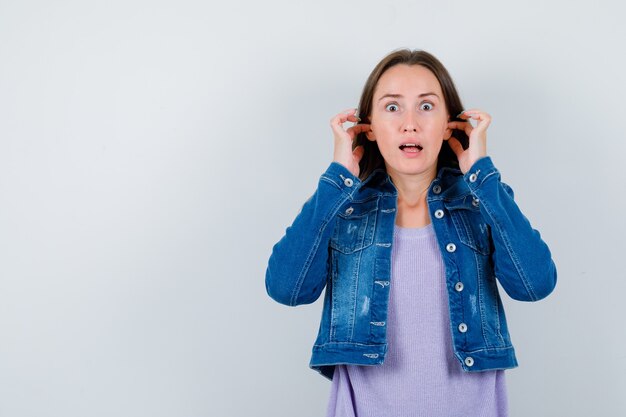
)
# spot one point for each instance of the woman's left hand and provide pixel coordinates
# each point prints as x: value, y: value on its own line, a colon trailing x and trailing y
x: 477, y: 138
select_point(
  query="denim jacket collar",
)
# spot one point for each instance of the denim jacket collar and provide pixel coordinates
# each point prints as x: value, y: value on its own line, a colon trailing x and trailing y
x: 447, y: 178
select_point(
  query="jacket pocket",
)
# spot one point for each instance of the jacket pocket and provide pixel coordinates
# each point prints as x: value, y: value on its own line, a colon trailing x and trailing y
x: 355, y: 226
x: 470, y: 226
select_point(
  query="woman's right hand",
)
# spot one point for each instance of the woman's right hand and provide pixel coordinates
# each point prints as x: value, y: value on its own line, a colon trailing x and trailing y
x: 344, y: 138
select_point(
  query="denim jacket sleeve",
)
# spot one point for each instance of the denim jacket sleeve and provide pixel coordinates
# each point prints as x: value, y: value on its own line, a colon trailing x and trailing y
x: 298, y: 266
x: 522, y: 261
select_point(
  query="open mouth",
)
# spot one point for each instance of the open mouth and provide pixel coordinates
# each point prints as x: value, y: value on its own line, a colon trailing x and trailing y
x: 411, y: 147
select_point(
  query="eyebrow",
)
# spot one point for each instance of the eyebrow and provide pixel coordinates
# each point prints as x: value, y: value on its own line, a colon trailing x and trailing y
x: 400, y: 95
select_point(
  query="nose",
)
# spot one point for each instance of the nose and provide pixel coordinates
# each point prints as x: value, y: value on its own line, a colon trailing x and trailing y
x: 409, y: 124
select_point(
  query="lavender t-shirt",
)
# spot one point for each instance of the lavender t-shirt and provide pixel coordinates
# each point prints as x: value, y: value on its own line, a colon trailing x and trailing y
x: 420, y: 375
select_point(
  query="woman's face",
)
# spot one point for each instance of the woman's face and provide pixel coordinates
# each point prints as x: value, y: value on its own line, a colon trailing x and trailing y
x: 409, y: 120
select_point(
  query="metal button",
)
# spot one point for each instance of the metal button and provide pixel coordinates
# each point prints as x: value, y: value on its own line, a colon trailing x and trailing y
x: 469, y: 361
x: 349, y: 211
x: 475, y: 202
x: 348, y: 182
x: 437, y: 189
x: 473, y: 177
x: 459, y: 286
x: 462, y: 327
x: 439, y: 214
x: 450, y: 247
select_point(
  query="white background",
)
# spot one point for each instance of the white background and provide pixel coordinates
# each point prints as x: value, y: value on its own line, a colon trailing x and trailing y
x: 152, y: 152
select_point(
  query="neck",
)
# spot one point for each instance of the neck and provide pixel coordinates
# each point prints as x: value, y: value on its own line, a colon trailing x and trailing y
x: 412, y: 192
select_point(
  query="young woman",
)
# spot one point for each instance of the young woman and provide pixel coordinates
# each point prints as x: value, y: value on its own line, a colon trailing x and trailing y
x: 408, y: 230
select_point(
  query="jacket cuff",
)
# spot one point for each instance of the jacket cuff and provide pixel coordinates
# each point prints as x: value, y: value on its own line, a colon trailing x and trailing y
x: 342, y: 178
x: 480, y: 172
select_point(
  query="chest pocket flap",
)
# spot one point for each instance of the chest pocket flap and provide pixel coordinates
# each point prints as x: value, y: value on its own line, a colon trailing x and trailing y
x: 470, y: 226
x: 355, y: 226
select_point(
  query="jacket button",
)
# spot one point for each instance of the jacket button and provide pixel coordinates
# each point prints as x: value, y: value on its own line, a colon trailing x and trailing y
x: 469, y: 361
x: 475, y: 202
x: 462, y: 327
x: 349, y: 211
x: 473, y: 177
x: 439, y: 214
x: 450, y: 247
x: 437, y: 189
x: 348, y: 182
x: 459, y: 286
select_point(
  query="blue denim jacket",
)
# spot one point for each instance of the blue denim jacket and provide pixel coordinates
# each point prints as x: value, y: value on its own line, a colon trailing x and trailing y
x: 342, y: 239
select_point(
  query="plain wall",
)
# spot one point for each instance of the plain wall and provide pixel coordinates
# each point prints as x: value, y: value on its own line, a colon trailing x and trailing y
x: 152, y: 152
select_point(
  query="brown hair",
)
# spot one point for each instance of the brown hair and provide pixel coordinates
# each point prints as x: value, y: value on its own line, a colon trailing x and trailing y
x: 372, y: 158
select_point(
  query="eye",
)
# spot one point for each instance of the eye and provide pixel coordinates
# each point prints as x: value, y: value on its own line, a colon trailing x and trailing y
x: 426, y: 106
x: 392, y: 107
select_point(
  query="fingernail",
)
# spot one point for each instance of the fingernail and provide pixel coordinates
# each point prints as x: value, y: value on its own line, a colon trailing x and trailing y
x: 358, y: 119
x: 459, y: 115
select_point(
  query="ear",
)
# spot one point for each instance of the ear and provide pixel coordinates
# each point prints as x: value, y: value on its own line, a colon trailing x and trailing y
x: 370, y: 135
x: 447, y: 133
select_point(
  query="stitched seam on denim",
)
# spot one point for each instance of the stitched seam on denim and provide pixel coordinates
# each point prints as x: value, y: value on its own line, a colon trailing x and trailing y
x: 367, y: 199
x: 468, y: 232
x: 367, y: 345
x: 338, y: 186
x: 333, y: 325
x: 314, y: 249
x: 488, y: 350
x: 481, y: 292
x: 498, y: 328
x: 330, y: 180
x: 512, y: 255
x: 448, y: 198
x: 489, y: 174
x: 356, y: 289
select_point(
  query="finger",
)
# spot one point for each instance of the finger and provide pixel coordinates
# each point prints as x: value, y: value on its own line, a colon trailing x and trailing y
x: 466, y: 114
x: 337, y: 128
x: 474, y: 110
x: 352, y: 115
x: 336, y: 123
x: 456, y: 146
x: 483, y: 119
x: 475, y: 114
x: 464, y: 126
x: 348, y: 114
x: 356, y: 129
x: 352, y: 118
x: 458, y: 125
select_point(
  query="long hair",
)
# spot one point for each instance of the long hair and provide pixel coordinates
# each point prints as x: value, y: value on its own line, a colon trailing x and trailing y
x: 372, y: 158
